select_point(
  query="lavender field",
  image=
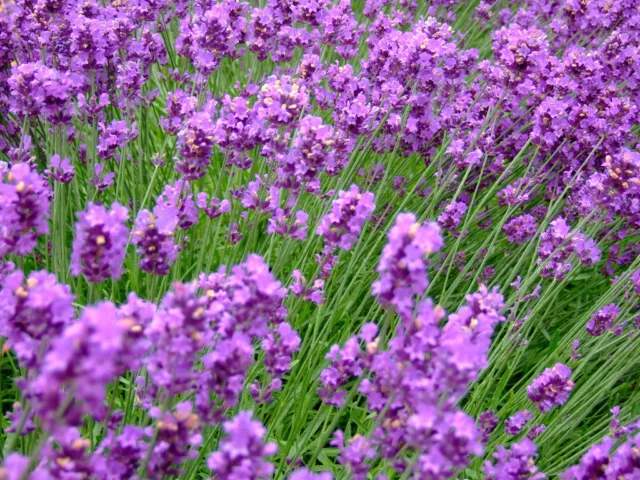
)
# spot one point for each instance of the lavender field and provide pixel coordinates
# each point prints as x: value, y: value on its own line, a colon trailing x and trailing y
x: 319, y: 239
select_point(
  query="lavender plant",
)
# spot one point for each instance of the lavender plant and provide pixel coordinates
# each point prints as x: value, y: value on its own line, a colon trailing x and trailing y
x: 319, y: 239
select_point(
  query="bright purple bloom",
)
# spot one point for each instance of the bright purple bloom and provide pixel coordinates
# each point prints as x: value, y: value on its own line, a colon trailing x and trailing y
x: 83, y: 359
x: 354, y: 454
x: 153, y: 235
x: 342, y: 225
x: 178, y: 196
x: 195, y: 142
x: 487, y: 421
x: 281, y: 224
x: 593, y: 463
x: 177, y: 440
x: 213, y: 207
x: 402, y: 267
x: 515, y: 463
x: 242, y: 452
x: 552, y: 388
x: 24, y: 208
x: 313, y: 293
x: 100, y: 242
x: 179, y: 107
x: 603, y: 320
x: 61, y: 170
x: 33, y: 311
x: 520, y: 229
x: 450, y: 218
x: 536, y: 431
x: 305, y: 474
x: 114, y: 136
x: 514, y: 424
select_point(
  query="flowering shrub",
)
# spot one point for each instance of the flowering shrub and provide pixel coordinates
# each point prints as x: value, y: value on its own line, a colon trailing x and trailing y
x: 319, y: 239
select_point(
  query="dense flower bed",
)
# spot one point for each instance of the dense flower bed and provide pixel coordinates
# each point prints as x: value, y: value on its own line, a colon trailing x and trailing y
x: 317, y: 239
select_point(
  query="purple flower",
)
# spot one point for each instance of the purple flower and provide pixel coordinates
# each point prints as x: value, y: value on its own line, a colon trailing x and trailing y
x: 313, y: 293
x: 305, y: 474
x: 556, y: 246
x: 179, y: 107
x: 24, y: 208
x: 281, y: 224
x: 487, y: 421
x: 603, y: 320
x: 515, y: 463
x: 279, y: 347
x: 552, y: 388
x: 100, y: 242
x: 450, y: 218
x: 195, y: 142
x: 37, y: 89
x: 101, y: 182
x: 153, y: 235
x: 342, y: 225
x: 114, y: 136
x: 242, y: 452
x: 514, y: 424
x: 178, y: 196
x: 177, y: 439
x: 213, y: 207
x: 536, y: 431
x: 402, y: 267
x: 82, y: 360
x: 520, y: 229
x: 354, y: 454
x: 592, y: 464
x: 61, y: 170
x: 33, y: 312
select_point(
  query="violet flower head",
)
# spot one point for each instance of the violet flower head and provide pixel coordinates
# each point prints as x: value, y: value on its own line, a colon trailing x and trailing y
x: 346, y: 362
x: 179, y: 196
x: 635, y: 280
x: 593, y: 463
x: 179, y: 107
x: 515, y: 463
x: 306, y: 474
x: 153, y: 235
x: 603, y: 320
x: 450, y: 218
x: 402, y: 267
x: 311, y: 153
x: 354, y: 454
x: 178, y: 438
x: 61, y: 170
x: 33, y: 311
x: 242, y: 452
x: 536, y: 431
x: 195, y: 143
x: 313, y: 293
x: 552, y: 388
x: 520, y: 229
x: 466, y: 337
x: 282, y: 224
x: 213, y: 207
x: 279, y: 347
x: 342, y: 225
x: 100, y: 241
x: 37, y: 89
x: 114, y: 136
x: 83, y: 358
x: 487, y: 421
x: 246, y: 299
x: 514, y: 424
x: 101, y: 181
x: 24, y: 208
